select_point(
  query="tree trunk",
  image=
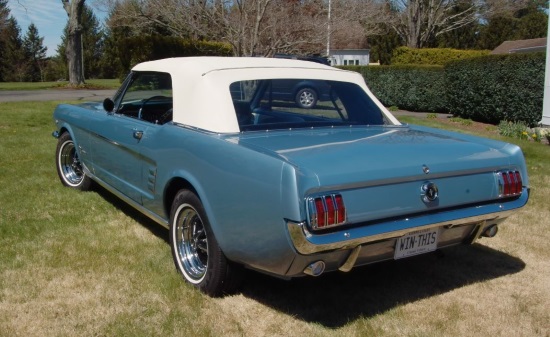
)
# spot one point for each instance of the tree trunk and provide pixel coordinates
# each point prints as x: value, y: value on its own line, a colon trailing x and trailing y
x: 74, y: 41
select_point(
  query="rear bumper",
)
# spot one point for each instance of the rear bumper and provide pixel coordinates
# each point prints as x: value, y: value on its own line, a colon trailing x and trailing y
x: 307, y: 243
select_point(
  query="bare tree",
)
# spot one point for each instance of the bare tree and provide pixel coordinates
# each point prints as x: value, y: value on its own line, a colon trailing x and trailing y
x: 355, y: 20
x: 74, y: 40
x: 503, y: 8
x: 252, y: 27
x: 417, y: 21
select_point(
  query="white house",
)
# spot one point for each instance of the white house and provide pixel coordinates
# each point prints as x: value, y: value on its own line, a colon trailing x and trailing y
x: 349, y: 57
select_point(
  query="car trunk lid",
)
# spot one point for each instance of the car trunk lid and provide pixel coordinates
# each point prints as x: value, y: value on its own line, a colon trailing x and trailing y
x: 381, y: 171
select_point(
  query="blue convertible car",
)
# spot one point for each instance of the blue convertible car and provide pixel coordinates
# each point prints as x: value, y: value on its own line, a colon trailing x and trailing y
x: 242, y: 178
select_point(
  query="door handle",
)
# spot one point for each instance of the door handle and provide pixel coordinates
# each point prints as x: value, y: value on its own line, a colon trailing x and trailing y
x: 138, y: 134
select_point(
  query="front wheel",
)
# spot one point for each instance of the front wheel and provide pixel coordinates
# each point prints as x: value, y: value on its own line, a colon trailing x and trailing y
x: 195, y: 250
x: 69, y: 168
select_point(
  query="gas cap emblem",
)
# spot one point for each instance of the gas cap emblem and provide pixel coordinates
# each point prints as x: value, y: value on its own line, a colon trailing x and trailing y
x: 429, y: 192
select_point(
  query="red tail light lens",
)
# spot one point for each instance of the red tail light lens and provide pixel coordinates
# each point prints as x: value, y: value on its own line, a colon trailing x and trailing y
x: 519, y: 182
x: 326, y: 211
x: 509, y: 183
x: 319, y: 212
x: 341, y: 215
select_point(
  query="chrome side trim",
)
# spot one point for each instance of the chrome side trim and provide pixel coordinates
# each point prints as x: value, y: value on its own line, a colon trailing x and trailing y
x: 153, y: 216
x: 306, y: 242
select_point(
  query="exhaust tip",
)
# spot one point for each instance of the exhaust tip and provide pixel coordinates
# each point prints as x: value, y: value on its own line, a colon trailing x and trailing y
x: 490, y: 231
x: 315, y: 268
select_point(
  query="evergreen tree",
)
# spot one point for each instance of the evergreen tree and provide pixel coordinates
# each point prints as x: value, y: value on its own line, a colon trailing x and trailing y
x: 35, y: 53
x: 464, y: 37
x: 4, y: 16
x: 12, y: 58
x: 15, y: 65
x: 528, y: 23
x: 532, y: 25
x: 114, y: 63
x: 382, y: 46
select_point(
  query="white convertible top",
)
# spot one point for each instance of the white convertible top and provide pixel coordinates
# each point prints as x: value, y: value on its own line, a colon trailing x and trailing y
x: 200, y: 85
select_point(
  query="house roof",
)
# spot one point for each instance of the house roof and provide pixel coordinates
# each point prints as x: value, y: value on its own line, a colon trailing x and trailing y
x: 521, y: 46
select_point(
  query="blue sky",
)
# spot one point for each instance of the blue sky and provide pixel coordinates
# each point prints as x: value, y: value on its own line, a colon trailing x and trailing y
x: 48, y: 16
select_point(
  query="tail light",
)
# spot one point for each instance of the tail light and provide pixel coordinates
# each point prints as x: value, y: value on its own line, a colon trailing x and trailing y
x: 326, y: 211
x: 509, y: 183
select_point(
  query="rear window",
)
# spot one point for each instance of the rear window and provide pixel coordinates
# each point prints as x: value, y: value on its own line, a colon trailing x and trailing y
x: 302, y: 103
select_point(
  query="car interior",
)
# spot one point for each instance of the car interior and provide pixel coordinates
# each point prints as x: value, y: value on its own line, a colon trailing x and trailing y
x: 259, y: 106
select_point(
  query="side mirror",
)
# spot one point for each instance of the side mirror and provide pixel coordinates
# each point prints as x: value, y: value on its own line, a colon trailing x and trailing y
x: 108, y: 105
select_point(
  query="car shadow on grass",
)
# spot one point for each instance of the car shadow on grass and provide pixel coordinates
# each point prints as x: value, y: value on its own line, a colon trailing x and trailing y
x: 335, y: 299
x: 155, y: 229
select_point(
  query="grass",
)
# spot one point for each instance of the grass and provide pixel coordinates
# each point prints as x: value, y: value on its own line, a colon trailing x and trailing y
x: 90, y: 84
x: 84, y: 264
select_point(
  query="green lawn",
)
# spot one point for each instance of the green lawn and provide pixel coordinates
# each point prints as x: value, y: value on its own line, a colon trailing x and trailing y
x: 95, y: 84
x: 84, y: 264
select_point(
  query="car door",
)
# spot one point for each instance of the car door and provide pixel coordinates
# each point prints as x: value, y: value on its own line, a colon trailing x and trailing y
x: 117, y: 145
x: 116, y: 154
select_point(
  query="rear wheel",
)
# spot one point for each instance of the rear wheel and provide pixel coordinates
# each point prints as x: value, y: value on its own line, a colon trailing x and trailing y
x: 69, y: 168
x: 195, y: 250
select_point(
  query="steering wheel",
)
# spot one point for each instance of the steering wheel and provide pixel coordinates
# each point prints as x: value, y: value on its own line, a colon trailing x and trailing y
x: 145, y: 101
x: 165, y: 117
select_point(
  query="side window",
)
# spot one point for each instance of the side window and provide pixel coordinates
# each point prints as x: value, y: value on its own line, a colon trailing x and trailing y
x: 148, y: 97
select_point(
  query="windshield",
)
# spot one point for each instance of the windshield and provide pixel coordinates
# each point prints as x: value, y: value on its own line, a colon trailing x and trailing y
x: 302, y: 103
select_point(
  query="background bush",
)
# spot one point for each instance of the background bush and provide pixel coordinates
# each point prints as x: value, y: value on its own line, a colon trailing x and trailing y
x: 488, y: 89
x: 414, y: 88
x: 432, y: 56
x: 497, y: 87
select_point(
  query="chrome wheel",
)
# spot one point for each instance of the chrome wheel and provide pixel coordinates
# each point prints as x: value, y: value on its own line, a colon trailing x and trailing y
x: 195, y: 250
x: 191, y: 243
x: 69, y: 167
x: 69, y: 164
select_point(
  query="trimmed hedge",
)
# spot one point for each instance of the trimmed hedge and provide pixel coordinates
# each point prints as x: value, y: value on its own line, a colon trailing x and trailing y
x: 432, y: 56
x: 487, y: 89
x: 497, y: 87
x: 414, y: 88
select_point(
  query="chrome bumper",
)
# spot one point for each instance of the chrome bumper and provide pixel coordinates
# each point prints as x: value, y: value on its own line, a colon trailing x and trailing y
x: 306, y: 242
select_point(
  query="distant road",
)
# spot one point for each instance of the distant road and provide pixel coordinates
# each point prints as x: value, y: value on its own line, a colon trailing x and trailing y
x: 84, y: 95
x: 87, y: 95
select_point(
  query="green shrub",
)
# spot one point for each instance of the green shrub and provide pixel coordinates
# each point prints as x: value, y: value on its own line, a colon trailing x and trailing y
x: 497, y: 87
x: 432, y: 56
x: 414, y: 88
x: 462, y: 121
x: 519, y: 130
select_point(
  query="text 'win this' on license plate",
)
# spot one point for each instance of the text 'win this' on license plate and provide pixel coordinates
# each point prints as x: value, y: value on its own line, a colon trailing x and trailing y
x: 417, y: 242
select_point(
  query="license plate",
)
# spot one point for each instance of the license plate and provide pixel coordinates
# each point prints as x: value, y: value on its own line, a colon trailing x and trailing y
x: 418, y: 242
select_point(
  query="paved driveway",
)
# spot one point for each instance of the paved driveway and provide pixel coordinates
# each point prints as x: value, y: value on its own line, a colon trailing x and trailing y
x: 87, y: 95
x: 84, y: 95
